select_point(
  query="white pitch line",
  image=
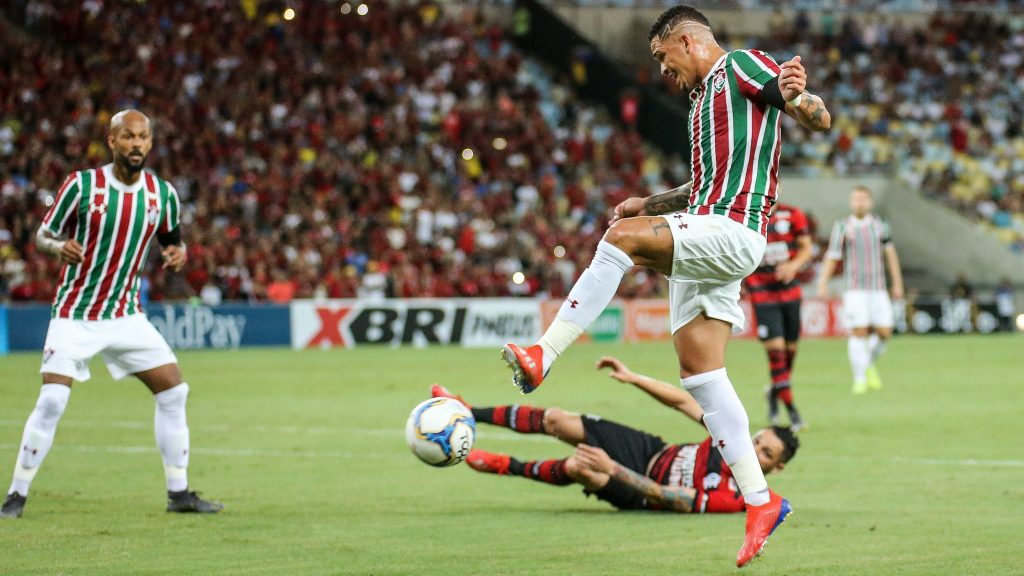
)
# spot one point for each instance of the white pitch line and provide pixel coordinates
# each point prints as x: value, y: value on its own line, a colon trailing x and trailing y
x: 960, y: 462
x: 230, y: 452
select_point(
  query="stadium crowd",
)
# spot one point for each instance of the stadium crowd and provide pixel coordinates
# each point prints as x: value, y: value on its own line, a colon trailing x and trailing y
x: 399, y: 152
x: 940, y: 105
x: 402, y: 151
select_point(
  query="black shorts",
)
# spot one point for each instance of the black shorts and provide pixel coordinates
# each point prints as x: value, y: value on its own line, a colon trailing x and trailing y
x: 778, y: 319
x: 627, y: 446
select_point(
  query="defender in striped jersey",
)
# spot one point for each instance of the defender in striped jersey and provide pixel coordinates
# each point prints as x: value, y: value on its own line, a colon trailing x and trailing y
x: 862, y: 241
x: 706, y: 236
x: 110, y: 215
x: 626, y: 467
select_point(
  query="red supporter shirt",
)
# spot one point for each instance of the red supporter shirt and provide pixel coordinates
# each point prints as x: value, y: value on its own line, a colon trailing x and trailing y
x: 698, y: 466
x: 787, y: 225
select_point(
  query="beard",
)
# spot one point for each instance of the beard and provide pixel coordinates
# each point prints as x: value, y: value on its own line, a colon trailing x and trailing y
x: 132, y: 166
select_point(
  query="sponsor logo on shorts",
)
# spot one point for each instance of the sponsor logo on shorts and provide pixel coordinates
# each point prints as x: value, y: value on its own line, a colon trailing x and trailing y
x: 47, y: 354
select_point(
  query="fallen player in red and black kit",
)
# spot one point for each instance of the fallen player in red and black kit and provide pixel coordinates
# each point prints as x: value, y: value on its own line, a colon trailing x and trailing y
x: 628, y: 468
x: 775, y: 292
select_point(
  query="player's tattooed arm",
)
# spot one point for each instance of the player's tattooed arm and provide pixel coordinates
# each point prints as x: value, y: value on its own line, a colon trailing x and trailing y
x: 674, y: 498
x: 674, y: 200
x: 811, y: 113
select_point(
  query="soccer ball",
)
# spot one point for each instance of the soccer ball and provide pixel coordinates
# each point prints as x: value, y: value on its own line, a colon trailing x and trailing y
x: 440, y: 431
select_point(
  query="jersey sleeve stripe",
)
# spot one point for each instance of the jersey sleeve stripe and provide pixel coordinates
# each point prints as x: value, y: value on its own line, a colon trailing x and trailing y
x: 62, y: 204
x: 835, y: 242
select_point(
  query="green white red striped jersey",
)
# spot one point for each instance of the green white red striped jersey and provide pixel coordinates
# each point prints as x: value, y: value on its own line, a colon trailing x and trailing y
x: 115, y: 224
x: 735, y: 140
x: 859, y: 243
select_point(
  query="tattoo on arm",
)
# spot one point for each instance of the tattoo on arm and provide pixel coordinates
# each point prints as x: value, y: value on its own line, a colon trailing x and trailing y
x: 668, y: 202
x: 658, y: 224
x: 812, y: 113
x: 675, y: 498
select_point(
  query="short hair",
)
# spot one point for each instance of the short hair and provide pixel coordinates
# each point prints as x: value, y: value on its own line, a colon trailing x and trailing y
x: 670, y: 18
x: 864, y: 189
x: 790, y: 442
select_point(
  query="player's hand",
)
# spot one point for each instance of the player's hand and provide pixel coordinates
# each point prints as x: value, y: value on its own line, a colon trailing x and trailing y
x: 792, y: 79
x: 786, y: 271
x: 594, y: 459
x: 897, y: 292
x: 628, y: 208
x: 174, y: 257
x: 620, y: 371
x: 71, y: 252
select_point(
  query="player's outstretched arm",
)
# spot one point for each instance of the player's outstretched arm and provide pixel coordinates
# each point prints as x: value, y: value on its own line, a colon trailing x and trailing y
x: 674, y: 498
x: 669, y: 395
x: 809, y: 110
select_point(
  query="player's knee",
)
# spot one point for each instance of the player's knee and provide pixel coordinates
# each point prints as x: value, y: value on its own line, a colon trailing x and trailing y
x: 573, y: 468
x: 51, y: 406
x: 172, y: 399
x: 623, y: 235
x: 554, y: 420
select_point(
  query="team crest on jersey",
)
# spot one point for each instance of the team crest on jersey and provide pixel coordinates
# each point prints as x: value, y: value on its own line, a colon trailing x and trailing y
x: 719, y: 82
x: 99, y: 204
x: 152, y: 208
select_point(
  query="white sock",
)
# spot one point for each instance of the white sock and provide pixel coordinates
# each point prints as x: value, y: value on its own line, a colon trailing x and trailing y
x: 877, y: 347
x: 172, y: 435
x: 587, y: 299
x: 38, y: 436
x: 860, y: 357
x: 727, y: 421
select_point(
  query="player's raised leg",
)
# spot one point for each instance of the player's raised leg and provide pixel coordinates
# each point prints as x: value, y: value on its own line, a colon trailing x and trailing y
x: 36, y: 440
x: 643, y: 241
x: 172, y: 438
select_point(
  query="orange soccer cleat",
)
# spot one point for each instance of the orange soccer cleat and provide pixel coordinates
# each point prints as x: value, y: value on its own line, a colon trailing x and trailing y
x: 761, y: 522
x: 488, y: 462
x: 438, y: 391
x: 527, y: 366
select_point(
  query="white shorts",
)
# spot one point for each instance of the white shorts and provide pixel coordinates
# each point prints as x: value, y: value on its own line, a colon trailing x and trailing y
x: 712, y: 256
x: 129, y: 345
x: 863, y: 308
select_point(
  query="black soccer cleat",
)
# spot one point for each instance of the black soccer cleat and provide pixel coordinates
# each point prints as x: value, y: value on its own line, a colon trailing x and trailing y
x: 796, y: 422
x: 13, y: 505
x: 185, y: 502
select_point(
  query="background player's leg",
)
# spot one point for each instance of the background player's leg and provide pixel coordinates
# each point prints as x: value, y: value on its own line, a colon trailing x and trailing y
x: 700, y: 345
x: 779, y: 369
x: 877, y: 344
x: 795, y: 420
x: 169, y: 422
x: 645, y: 241
x: 40, y: 429
x: 860, y: 358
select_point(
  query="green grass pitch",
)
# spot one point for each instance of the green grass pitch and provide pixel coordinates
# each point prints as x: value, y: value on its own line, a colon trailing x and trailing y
x: 307, y: 451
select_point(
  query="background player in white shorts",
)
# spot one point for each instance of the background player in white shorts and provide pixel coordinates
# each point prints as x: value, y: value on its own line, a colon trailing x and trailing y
x: 110, y: 215
x: 861, y: 241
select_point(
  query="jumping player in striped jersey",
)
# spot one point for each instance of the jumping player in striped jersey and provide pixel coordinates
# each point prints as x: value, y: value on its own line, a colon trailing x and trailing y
x: 705, y: 236
x: 862, y: 241
x: 110, y: 216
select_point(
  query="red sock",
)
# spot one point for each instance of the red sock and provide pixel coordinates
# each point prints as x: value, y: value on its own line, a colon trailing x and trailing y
x: 786, y: 395
x: 524, y: 419
x: 779, y: 367
x: 547, y: 471
x: 790, y: 355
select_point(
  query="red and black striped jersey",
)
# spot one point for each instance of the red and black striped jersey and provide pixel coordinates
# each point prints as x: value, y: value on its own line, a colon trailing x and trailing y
x: 698, y: 466
x: 787, y: 225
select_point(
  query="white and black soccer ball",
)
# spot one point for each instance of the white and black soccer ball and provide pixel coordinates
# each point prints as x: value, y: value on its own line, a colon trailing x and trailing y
x: 440, y: 431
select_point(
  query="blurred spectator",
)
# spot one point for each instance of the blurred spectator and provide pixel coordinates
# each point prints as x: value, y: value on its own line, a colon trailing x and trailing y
x: 961, y: 288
